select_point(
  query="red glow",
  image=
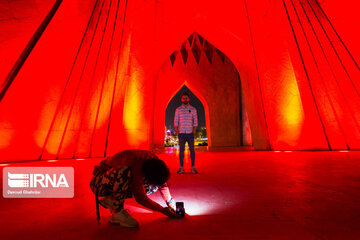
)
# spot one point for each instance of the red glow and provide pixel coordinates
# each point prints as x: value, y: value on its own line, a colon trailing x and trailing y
x: 244, y: 197
x: 6, y: 133
x: 94, y: 89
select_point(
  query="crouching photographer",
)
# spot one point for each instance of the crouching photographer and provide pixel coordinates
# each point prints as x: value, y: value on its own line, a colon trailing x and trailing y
x: 131, y: 174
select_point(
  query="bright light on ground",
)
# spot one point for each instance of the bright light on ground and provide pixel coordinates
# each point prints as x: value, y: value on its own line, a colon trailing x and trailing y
x: 193, y: 208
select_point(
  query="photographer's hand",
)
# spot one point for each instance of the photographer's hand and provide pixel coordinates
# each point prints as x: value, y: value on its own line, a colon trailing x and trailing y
x: 172, y: 206
x: 168, y: 211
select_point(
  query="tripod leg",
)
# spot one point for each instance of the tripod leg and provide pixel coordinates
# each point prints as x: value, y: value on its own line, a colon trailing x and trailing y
x: 97, y: 208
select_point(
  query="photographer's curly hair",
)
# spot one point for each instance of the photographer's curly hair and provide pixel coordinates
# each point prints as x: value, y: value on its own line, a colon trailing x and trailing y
x: 155, y: 171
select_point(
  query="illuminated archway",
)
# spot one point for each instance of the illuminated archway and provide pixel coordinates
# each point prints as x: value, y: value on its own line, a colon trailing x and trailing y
x: 301, y: 93
x: 162, y: 103
x: 175, y: 102
x: 239, y: 51
x: 214, y: 79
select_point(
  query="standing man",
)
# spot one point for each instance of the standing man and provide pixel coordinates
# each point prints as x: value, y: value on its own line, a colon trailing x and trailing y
x: 185, y: 123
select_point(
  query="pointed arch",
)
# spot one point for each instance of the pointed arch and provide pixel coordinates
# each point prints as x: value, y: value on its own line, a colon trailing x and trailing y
x: 204, y: 103
x: 238, y: 49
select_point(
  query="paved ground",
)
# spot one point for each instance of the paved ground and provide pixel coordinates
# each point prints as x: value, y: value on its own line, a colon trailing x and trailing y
x: 236, y: 195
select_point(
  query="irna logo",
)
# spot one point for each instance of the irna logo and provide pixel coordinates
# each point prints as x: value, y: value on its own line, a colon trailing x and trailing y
x: 19, y: 180
x: 38, y: 182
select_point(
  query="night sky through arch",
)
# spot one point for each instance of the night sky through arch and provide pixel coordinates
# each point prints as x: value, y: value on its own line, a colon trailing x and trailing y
x: 176, y: 102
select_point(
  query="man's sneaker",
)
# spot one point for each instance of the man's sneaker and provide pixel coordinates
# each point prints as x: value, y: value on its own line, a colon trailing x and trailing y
x: 193, y: 170
x: 108, y: 203
x: 124, y: 219
x: 181, y: 170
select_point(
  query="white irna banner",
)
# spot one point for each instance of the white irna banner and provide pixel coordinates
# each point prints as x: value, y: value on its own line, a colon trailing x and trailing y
x: 38, y: 182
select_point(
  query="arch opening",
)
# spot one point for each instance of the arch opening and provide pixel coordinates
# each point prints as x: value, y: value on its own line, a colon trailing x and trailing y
x: 213, y: 78
x: 171, y: 139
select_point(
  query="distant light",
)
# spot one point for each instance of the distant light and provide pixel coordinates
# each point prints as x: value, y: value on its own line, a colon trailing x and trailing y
x: 52, y: 160
x: 3, y: 165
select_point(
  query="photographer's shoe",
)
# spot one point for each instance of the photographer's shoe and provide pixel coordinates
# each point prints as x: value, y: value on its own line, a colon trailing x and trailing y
x: 181, y: 170
x: 108, y: 203
x: 124, y: 219
x: 193, y: 170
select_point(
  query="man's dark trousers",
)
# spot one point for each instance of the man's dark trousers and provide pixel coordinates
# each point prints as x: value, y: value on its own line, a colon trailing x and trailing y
x: 189, y: 138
